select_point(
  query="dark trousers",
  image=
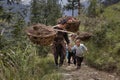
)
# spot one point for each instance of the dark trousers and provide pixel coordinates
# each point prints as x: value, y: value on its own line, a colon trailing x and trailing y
x: 57, y: 53
x: 71, y: 55
x: 79, y: 60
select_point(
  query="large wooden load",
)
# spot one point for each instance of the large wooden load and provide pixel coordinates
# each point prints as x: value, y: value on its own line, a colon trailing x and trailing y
x: 44, y: 35
x: 41, y: 34
x: 84, y: 36
x: 72, y: 23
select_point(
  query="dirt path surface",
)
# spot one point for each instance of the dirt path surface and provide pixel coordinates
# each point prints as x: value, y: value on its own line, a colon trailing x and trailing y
x: 85, y: 73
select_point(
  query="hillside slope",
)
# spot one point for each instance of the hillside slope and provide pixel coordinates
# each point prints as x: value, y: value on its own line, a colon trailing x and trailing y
x: 104, y: 47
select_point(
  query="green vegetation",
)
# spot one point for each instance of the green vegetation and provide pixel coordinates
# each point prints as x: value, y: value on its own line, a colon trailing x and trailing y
x: 24, y: 64
x: 22, y: 60
x: 45, y: 11
x: 104, y: 46
x: 19, y: 58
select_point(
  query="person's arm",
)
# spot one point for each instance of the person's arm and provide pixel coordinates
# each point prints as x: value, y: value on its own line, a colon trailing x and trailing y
x: 66, y: 38
x: 85, y: 48
x: 74, y: 49
x: 66, y: 47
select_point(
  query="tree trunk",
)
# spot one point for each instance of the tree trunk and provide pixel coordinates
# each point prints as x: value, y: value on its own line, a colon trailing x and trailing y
x: 78, y: 7
x: 72, y: 8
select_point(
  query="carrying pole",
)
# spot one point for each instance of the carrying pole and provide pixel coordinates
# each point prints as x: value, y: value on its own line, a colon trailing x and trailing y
x: 64, y: 31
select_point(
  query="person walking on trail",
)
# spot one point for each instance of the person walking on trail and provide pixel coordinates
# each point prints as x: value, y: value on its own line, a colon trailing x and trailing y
x: 79, y: 49
x: 59, y: 46
x: 71, y: 55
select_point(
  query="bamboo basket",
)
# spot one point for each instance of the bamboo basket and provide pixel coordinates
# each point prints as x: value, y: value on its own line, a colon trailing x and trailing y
x: 84, y: 36
x: 73, y: 26
x: 41, y: 34
x: 72, y: 23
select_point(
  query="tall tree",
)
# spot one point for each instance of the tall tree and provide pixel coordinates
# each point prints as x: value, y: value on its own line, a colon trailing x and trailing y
x: 78, y: 7
x: 95, y: 8
x: 92, y: 8
x: 72, y: 5
x: 45, y: 12
x: 11, y: 28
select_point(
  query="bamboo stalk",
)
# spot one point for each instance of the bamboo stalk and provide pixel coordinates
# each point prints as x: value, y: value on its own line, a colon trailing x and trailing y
x: 64, y: 31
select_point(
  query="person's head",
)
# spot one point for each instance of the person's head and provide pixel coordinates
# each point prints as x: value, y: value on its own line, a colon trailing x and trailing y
x: 77, y: 42
x: 63, y: 23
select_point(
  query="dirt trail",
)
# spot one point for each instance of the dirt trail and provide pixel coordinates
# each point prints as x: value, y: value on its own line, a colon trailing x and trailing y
x: 85, y: 73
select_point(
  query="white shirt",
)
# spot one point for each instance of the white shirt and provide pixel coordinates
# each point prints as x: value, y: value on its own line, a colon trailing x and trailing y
x: 80, y: 50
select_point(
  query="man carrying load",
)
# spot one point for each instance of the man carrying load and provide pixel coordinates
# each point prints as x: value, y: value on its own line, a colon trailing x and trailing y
x: 59, y: 46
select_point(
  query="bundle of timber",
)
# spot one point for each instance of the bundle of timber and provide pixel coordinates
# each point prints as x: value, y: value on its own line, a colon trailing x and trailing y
x: 41, y: 34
